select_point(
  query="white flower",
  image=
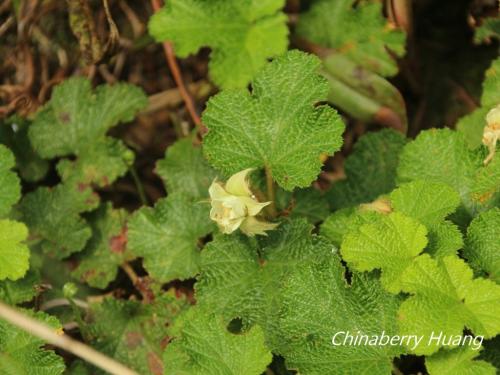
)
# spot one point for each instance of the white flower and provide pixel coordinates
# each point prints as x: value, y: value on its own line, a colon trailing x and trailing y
x: 234, y: 206
x: 491, y: 132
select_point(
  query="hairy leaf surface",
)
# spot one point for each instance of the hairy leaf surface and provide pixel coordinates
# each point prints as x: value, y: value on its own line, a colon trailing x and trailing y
x: 279, y: 126
x: 243, y: 34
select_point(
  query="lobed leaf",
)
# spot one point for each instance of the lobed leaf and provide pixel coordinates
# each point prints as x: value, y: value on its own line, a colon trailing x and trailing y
x: 445, y: 298
x: 243, y: 35
x: 134, y: 333
x: 482, y: 245
x: 279, y: 126
x: 22, y: 353
x: 204, y: 346
x: 318, y: 303
x: 167, y: 236
x: 242, y: 278
x: 390, y: 243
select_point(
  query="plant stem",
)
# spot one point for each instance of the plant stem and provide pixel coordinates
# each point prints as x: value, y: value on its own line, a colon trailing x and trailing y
x: 63, y: 341
x: 138, y: 185
x: 130, y: 273
x: 270, y: 193
x: 176, y: 73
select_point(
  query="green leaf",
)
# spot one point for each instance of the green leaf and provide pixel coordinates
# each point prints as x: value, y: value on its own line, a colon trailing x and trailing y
x: 370, y: 169
x: 75, y: 122
x: 473, y: 124
x: 390, y: 243
x: 14, y: 254
x: 346, y: 220
x: 486, y: 187
x: 482, y: 245
x: 360, y: 32
x: 10, y: 190
x: 167, y: 236
x: 460, y: 361
x: 134, y: 333
x: 204, y: 346
x: 441, y: 155
x: 309, y: 203
x: 318, y: 303
x: 106, y: 250
x: 428, y: 202
x: 445, y: 239
x: 22, y: 353
x: 185, y: 170
x: 241, y: 277
x: 22, y: 290
x: 242, y: 34
x: 278, y: 126
x: 53, y: 216
x: 445, y: 298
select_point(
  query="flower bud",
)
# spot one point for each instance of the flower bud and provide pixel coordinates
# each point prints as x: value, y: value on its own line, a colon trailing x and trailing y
x: 491, y: 132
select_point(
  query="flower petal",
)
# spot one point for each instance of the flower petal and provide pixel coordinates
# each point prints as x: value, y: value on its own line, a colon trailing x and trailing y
x: 238, y: 184
x: 216, y: 191
x: 253, y: 206
x: 251, y: 226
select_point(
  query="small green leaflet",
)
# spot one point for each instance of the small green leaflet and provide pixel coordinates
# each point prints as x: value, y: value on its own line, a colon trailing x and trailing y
x: 318, y: 302
x: 359, y: 31
x: 278, y: 126
x: 243, y: 34
x: 482, y: 245
x: 445, y: 298
x: 167, y: 236
x: 390, y: 243
x: 428, y: 202
x: 22, y: 353
x: 204, y: 346
x: 344, y: 221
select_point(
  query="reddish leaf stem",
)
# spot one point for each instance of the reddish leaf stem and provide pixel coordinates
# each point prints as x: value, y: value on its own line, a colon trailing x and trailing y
x: 176, y: 73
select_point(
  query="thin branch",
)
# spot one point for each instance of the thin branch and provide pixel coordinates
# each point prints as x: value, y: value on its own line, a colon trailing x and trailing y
x: 63, y: 341
x: 63, y: 302
x: 176, y: 73
x: 130, y: 273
